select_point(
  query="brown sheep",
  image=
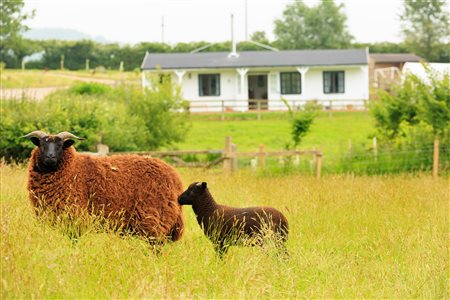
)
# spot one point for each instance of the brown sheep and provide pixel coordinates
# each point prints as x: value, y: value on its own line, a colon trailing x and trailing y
x: 227, y: 226
x: 139, y: 193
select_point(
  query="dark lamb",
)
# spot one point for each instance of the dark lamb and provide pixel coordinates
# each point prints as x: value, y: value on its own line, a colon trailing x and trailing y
x: 138, y: 193
x: 229, y: 226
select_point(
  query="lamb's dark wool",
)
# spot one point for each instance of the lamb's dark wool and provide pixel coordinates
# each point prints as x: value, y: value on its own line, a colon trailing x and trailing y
x: 140, y: 193
x: 226, y: 226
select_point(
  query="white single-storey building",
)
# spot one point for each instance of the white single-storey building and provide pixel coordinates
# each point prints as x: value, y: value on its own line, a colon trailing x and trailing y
x: 436, y: 69
x: 212, y: 81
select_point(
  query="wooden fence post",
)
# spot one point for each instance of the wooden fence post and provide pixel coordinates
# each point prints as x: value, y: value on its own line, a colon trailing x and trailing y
x: 375, y: 149
x: 258, y: 107
x: 234, y: 160
x: 102, y: 149
x: 261, y: 157
x: 319, y: 164
x: 436, y: 158
x: 227, y: 153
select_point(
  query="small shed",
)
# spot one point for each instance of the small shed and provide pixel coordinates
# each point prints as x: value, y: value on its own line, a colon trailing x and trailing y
x: 386, y: 68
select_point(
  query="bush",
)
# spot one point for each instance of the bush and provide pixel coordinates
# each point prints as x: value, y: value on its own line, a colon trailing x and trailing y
x: 301, y: 121
x: 407, y: 122
x: 127, y: 119
x: 90, y: 88
x: 55, y: 115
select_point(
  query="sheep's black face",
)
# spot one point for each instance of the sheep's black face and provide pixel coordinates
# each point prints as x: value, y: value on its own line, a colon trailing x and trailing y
x: 51, y: 151
x: 193, y: 191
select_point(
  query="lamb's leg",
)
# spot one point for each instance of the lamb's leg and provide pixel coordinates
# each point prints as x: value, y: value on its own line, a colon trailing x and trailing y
x: 282, y: 250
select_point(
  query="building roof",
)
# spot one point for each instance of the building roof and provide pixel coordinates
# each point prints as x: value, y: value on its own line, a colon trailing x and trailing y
x: 208, y: 60
x: 395, y: 57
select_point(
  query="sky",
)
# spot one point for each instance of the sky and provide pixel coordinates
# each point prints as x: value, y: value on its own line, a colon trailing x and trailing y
x: 134, y: 21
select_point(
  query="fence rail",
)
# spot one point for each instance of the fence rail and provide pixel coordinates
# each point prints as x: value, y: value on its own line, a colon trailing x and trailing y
x: 356, y: 159
x: 263, y: 105
x: 228, y: 156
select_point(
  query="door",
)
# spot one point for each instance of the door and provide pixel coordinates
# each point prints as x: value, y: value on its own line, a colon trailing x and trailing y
x: 257, y: 91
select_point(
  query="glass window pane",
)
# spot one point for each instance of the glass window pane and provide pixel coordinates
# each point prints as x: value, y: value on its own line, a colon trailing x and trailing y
x: 209, y: 84
x: 326, y: 82
x: 341, y: 82
x: 290, y: 83
x: 333, y: 82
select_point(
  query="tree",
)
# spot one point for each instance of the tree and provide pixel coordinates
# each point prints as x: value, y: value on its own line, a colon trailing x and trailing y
x: 415, y: 114
x: 260, y: 37
x: 11, y: 18
x: 319, y: 27
x: 413, y: 102
x: 11, y: 24
x: 301, y: 121
x: 425, y: 27
x: 434, y: 102
x: 393, y: 109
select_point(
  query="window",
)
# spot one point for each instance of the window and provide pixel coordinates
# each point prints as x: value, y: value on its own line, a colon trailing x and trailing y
x: 333, y: 82
x: 291, y: 83
x: 209, y: 84
x: 163, y: 78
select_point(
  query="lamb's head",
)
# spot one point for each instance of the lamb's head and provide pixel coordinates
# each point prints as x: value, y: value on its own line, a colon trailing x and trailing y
x: 193, y: 192
x: 51, y: 147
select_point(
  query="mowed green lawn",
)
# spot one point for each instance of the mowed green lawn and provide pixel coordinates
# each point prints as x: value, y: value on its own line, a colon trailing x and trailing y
x: 350, y: 237
x: 331, y: 134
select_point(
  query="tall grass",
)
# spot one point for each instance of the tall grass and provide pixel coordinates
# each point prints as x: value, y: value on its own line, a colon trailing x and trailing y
x: 371, y: 237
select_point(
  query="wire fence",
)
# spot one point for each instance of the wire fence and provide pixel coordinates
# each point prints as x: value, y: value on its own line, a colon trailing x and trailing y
x: 355, y: 159
x: 360, y: 160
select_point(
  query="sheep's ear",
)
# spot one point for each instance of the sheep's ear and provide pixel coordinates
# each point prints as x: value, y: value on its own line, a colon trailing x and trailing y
x: 204, y: 185
x: 35, y: 136
x: 36, y: 141
x: 68, y: 143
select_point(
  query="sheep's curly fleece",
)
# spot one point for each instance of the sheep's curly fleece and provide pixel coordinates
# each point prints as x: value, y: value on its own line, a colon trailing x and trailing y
x: 141, y: 192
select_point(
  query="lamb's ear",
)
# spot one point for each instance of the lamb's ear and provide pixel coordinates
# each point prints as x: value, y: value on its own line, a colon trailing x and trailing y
x: 204, y: 185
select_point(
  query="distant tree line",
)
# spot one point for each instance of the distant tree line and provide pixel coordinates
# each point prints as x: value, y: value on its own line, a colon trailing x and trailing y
x: 322, y: 26
x: 110, y: 56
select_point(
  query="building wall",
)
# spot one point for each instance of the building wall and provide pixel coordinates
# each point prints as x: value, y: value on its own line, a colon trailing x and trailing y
x: 228, y: 92
x: 232, y: 98
x: 356, y: 87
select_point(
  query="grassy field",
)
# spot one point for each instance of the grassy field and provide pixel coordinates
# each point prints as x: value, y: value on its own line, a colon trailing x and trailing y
x: 18, y: 79
x: 107, y: 74
x: 329, y: 133
x: 53, y: 78
x: 350, y: 237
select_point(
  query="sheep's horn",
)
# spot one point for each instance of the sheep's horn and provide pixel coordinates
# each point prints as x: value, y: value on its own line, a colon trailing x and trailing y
x: 37, y: 134
x: 67, y: 135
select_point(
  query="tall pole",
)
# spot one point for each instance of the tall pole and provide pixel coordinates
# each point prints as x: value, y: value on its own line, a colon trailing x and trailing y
x: 162, y: 29
x: 436, y: 158
x: 246, y: 20
x: 233, y: 40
